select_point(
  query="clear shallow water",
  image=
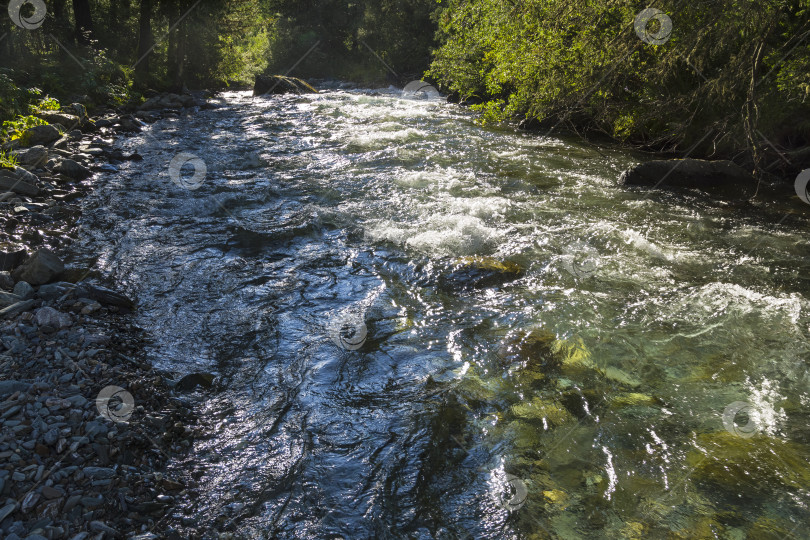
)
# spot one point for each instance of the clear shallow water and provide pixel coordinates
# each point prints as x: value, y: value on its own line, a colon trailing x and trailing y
x: 584, y: 399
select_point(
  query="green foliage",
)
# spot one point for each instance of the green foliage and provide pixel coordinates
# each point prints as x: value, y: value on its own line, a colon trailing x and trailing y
x: 580, y: 62
x: 7, y: 160
x: 45, y: 104
x: 15, y: 129
x: 13, y: 99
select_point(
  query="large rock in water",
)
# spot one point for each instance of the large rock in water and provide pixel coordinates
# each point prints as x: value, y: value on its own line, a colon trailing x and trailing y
x: 279, y: 84
x: 478, y: 273
x: 690, y: 173
x: 40, y: 268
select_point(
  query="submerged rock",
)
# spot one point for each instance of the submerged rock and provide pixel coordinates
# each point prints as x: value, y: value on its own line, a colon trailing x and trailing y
x: 751, y: 466
x: 279, y: 84
x: 193, y: 380
x: 479, y: 272
x: 546, y: 410
x: 690, y: 173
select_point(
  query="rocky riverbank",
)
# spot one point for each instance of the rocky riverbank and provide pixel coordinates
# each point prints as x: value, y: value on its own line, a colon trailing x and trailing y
x: 87, y: 427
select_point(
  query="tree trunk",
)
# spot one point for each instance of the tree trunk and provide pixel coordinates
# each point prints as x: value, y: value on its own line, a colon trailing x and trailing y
x: 84, y: 21
x: 144, y: 43
x: 177, y: 49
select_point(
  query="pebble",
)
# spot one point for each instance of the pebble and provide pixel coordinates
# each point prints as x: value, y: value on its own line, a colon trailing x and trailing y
x: 98, y: 472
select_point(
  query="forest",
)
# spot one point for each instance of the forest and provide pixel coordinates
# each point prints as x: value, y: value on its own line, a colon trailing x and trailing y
x: 730, y: 77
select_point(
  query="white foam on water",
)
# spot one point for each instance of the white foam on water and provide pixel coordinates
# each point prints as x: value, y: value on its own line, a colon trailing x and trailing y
x: 442, y: 235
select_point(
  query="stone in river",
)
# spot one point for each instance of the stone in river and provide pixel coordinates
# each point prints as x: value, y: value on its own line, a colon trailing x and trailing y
x: 477, y: 273
x: 43, y: 266
x: 192, y: 380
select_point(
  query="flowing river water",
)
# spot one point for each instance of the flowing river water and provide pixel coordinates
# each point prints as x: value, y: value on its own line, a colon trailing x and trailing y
x: 632, y: 364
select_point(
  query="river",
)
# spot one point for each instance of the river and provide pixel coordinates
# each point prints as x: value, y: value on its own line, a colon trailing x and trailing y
x: 640, y: 373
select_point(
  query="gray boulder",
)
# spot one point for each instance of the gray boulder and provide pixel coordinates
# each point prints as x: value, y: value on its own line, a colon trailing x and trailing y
x: 41, y: 135
x: 40, y: 268
x: 69, y: 121
x: 24, y: 290
x: 72, y: 169
x: 19, y: 181
x: 32, y: 157
x: 689, y: 173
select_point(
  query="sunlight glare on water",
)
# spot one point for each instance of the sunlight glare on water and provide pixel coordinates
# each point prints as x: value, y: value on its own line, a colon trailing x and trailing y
x: 527, y: 324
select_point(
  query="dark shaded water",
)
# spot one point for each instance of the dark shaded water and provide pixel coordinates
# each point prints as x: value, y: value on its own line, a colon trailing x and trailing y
x: 362, y: 398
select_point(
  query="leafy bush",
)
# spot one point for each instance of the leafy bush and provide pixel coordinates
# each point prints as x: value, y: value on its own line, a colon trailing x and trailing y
x: 736, y: 70
x: 7, y: 160
x: 15, y: 129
